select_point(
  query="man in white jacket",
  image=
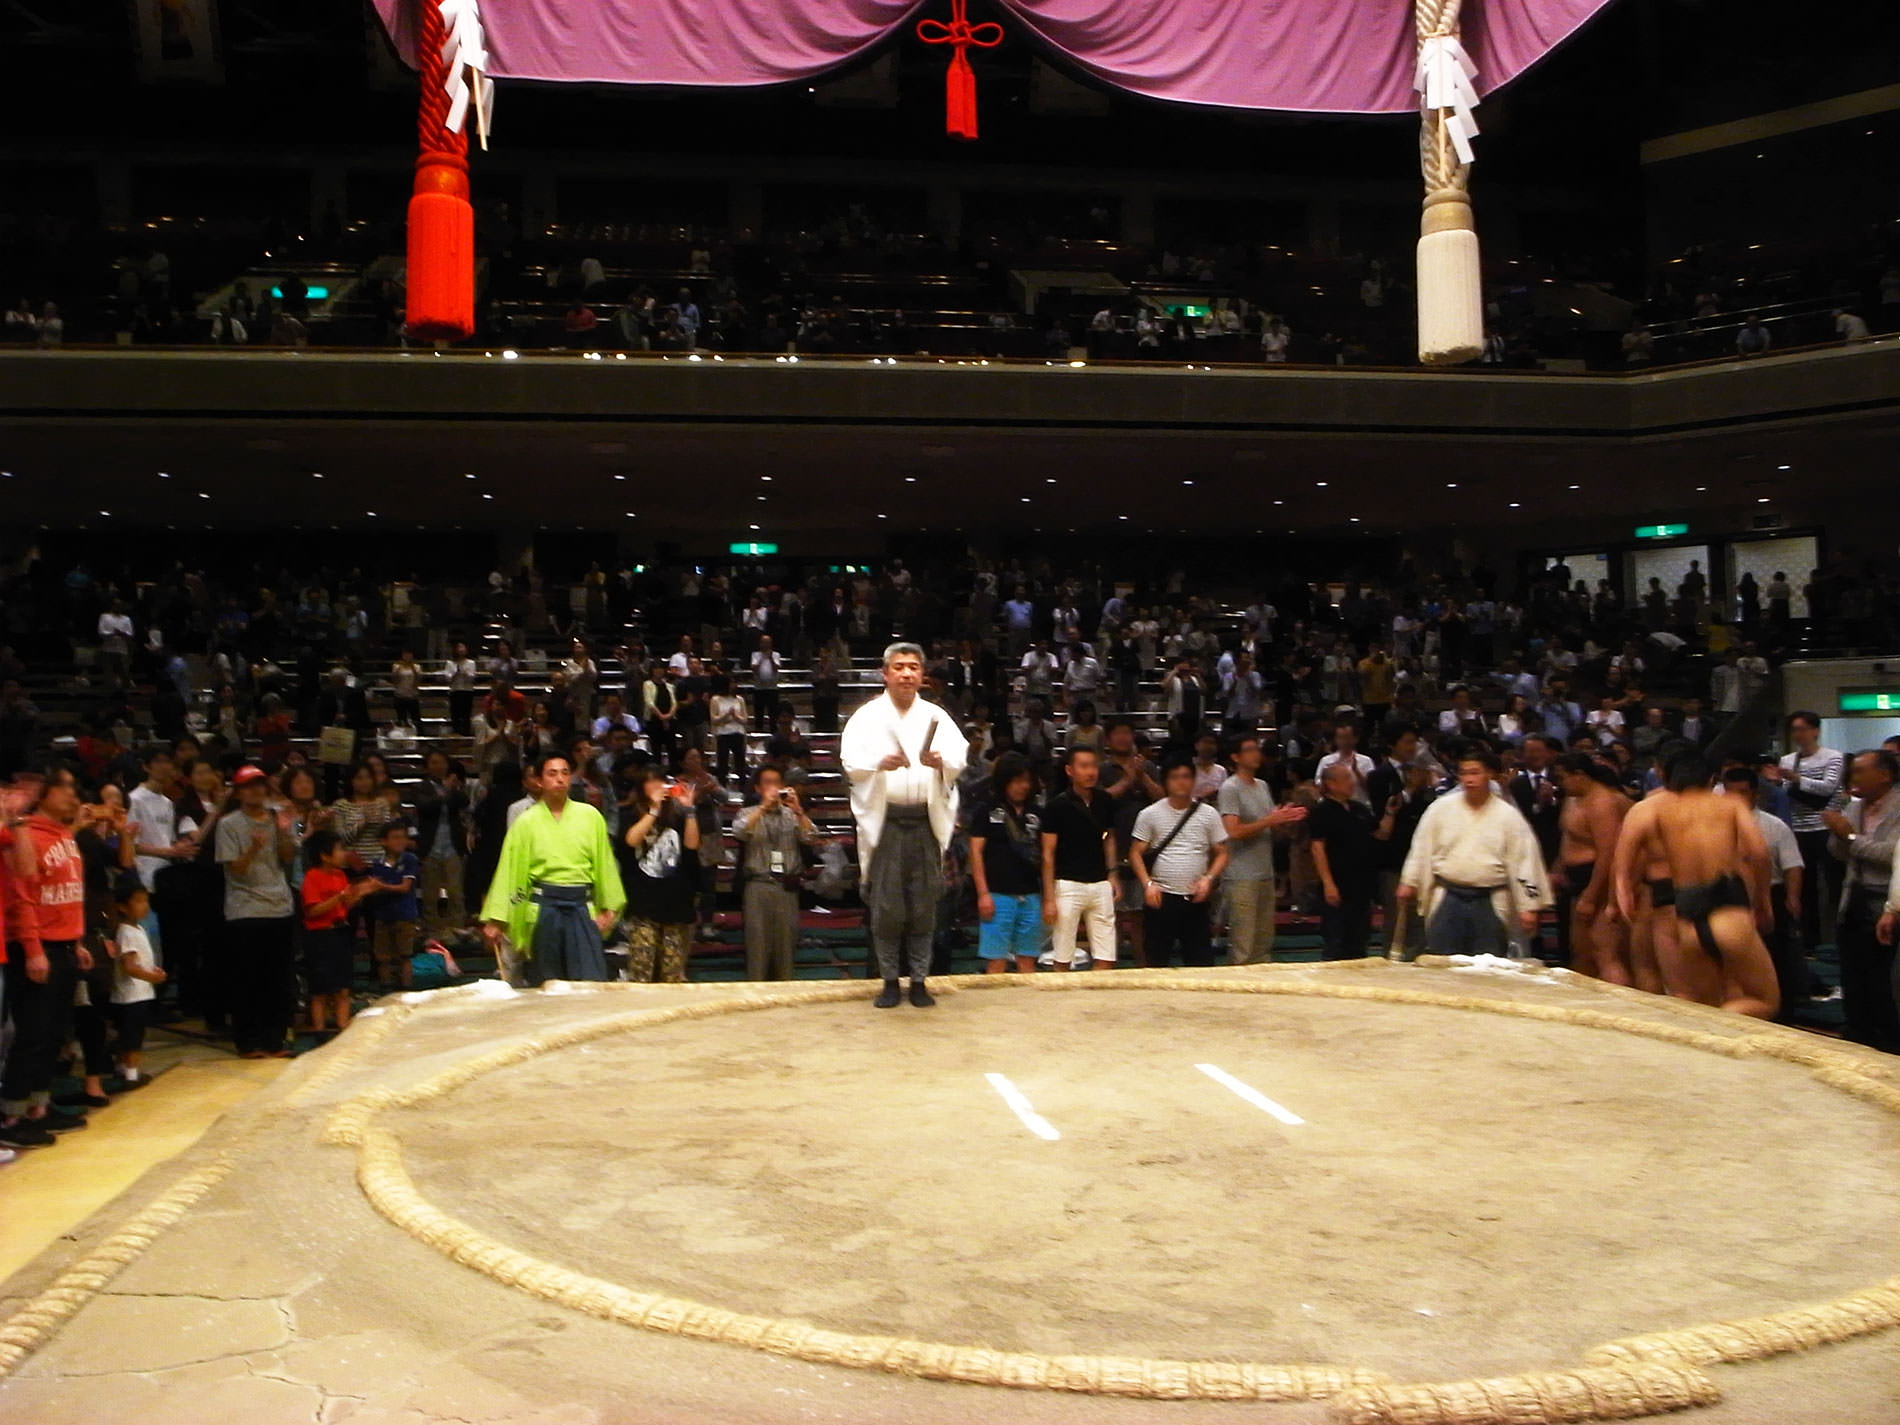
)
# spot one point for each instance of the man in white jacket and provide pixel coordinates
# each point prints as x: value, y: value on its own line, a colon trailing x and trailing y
x: 901, y: 756
x: 1475, y: 866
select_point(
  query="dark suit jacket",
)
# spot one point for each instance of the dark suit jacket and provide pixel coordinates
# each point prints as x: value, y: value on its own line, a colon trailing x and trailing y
x: 1546, y: 822
x: 346, y: 707
x: 982, y: 681
x: 1385, y: 783
x: 433, y: 802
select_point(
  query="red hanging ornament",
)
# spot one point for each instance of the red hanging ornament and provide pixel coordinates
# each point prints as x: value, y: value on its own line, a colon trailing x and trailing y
x: 959, y: 90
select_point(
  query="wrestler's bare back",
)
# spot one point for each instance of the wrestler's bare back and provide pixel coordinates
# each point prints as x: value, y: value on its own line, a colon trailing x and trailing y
x: 1704, y: 838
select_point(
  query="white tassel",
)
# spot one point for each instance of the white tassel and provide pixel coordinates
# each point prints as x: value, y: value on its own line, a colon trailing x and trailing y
x: 1450, y: 286
x: 1450, y: 289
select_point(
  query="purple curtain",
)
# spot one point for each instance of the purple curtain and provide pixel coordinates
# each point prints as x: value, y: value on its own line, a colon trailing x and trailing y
x: 1330, y: 56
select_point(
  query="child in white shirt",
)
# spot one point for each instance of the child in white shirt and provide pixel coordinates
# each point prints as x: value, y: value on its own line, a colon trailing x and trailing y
x: 135, y: 980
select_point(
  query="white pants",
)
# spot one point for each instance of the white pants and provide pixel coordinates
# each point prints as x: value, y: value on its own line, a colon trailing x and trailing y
x: 1094, y: 900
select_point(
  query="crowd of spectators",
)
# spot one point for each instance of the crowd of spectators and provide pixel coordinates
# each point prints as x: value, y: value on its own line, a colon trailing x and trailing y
x: 260, y: 802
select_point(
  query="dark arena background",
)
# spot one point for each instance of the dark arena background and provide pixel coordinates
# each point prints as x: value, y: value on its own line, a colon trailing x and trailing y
x: 728, y: 712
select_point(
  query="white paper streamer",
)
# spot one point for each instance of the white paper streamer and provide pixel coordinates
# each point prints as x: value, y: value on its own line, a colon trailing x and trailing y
x: 465, y: 52
x: 1444, y: 77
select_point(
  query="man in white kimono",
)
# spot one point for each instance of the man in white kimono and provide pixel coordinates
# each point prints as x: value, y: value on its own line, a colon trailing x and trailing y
x: 1475, y: 866
x: 902, y: 755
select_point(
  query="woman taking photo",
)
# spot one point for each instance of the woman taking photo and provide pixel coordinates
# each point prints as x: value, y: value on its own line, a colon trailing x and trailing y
x: 663, y: 880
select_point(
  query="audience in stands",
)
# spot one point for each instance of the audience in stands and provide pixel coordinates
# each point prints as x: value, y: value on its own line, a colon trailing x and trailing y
x: 272, y: 814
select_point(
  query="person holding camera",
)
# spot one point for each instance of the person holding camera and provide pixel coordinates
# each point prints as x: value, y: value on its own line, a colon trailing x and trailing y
x: 772, y: 836
x: 1816, y: 779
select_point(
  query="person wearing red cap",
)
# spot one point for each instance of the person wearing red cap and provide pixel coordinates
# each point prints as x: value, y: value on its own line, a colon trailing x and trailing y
x: 46, y: 922
x: 254, y: 846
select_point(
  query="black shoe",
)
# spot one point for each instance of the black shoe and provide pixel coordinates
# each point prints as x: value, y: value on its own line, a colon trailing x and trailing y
x: 25, y: 1134
x: 890, y: 999
x: 61, y: 1122
x: 81, y: 1100
x: 921, y: 996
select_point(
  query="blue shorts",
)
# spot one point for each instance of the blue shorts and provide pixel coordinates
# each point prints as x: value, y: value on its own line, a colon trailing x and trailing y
x: 1015, y: 929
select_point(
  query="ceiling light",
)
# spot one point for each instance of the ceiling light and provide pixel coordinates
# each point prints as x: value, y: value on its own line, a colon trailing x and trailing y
x: 105, y: 512
x: 1187, y: 482
x: 370, y: 513
x: 1279, y: 502
x: 468, y: 477
x: 1451, y: 485
x: 1025, y: 499
x: 1352, y: 519
x: 883, y: 517
x: 1320, y: 483
x: 631, y: 515
x: 1576, y: 487
x: 1515, y: 505
x: 203, y: 496
x: 1050, y: 480
x: 1122, y: 517
x: 1784, y: 467
x: 488, y: 497
x: 910, y: 479
x: 751, y: 526
x: 164, y: 475
x: 509, y: 355
x: 1761, y: 499
x: 617, y: 477
x: 766, y: 478
x: 1701, y: 488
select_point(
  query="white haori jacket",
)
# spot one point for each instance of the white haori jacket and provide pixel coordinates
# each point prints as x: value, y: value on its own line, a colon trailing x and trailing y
x: 875, y: 731
x: 1489, y: 845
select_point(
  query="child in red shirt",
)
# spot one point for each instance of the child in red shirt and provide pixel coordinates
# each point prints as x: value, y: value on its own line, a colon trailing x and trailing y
x: 329, y: 949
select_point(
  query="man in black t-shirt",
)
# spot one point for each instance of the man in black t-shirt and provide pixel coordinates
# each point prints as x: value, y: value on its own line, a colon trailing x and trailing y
x: 1345, y: 838
x: 1078, y: 854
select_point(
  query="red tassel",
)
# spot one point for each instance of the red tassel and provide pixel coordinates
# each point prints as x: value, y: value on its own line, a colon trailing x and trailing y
x: 441, y: 291
x: 959, y: 103
x: 959, y: 86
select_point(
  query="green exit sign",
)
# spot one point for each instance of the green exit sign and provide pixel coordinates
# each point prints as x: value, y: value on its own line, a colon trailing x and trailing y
x: 1660, y: 531
x: 752, y: 549
x: 1866, y: 700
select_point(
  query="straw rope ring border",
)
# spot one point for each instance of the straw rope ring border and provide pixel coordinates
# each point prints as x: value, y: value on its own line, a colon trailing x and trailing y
x: 1620, y: 1380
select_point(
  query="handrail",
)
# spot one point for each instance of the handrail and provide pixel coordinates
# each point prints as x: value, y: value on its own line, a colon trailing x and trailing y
x: 499, y: 348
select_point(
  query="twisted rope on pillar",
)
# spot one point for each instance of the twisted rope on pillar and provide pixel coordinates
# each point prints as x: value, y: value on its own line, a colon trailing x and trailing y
x: 1450, y: 294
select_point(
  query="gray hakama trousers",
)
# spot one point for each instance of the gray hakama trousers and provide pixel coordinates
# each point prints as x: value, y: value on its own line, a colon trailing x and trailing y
x: 905, y: 885
x: 567, y: 943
